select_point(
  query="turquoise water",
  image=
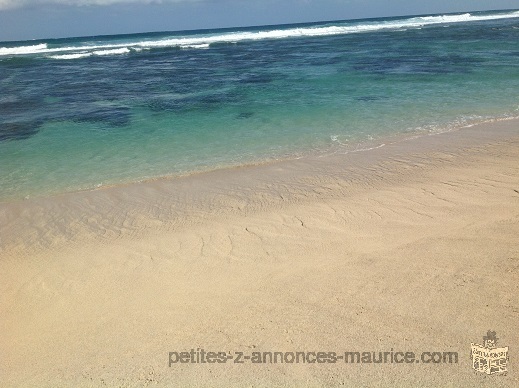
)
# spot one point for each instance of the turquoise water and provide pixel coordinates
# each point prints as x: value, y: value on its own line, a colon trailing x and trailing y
x: 86, y: 112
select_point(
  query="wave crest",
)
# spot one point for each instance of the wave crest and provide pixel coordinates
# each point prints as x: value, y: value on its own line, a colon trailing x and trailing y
x: 207, y: 40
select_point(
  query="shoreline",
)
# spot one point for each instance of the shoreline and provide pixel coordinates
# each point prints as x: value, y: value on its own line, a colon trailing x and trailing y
x: 136, y: 197
x: 333, y: 149
x: 412, y: 246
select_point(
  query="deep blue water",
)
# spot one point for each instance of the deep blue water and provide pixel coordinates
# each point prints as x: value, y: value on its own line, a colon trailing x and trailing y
x: 83, y: 112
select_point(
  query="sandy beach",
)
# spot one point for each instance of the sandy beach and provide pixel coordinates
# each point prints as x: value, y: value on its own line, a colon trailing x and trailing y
x: 410, y: 247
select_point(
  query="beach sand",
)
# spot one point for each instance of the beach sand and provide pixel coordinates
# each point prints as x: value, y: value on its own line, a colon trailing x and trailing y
x: 413, y: 246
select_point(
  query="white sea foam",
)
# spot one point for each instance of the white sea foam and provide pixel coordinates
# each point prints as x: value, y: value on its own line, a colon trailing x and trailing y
x: 204, y: 41
x: 20, y: 50
x: 196, y: 46
x: 118, y: 51
x: 71, y: 56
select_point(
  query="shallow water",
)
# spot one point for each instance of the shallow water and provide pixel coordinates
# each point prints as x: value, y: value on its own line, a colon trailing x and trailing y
x: 83, y: 112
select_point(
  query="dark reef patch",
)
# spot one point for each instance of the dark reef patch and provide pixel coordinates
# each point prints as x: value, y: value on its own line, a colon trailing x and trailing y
x: 19, y: 130
x: 20, y: 106
x: 112, y: 116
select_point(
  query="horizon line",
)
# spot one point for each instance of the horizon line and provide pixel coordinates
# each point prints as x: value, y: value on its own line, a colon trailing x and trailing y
x: 254, y: 26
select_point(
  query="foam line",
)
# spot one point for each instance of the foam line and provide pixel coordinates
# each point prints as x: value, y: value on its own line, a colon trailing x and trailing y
x: 203, y: 41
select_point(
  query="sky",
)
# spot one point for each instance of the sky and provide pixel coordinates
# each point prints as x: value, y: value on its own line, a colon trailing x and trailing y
x: 40, y: 19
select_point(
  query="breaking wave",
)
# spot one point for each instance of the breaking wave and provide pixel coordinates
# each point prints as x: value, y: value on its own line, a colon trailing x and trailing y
x: 203, y: 41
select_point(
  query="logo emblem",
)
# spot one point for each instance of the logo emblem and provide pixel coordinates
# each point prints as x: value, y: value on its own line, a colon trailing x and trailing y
x: 489, y: 358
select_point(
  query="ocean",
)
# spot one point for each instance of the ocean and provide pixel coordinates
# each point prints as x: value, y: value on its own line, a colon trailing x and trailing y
x: 82, y: 113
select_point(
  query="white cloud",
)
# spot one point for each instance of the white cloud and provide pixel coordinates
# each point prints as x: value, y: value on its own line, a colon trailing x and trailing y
x: 10, y: 4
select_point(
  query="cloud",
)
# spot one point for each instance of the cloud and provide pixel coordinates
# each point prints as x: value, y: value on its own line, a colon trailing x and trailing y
x: 11, y: 4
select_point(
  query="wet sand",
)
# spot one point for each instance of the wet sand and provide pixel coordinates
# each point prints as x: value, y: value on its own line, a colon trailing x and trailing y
x: 413, y: 246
